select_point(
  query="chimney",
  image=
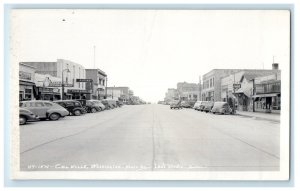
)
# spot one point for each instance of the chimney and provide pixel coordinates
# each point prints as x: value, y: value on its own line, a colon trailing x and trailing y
x: 275, y: 66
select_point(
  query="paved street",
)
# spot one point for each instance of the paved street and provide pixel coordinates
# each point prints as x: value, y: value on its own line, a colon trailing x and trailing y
x: 151, y: 137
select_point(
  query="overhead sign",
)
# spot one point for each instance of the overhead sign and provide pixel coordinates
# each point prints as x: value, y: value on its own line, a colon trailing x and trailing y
x: 236, y: 86
x: 84, y: 80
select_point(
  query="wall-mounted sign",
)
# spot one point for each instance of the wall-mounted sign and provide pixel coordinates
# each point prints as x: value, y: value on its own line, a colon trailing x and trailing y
x: 84, y: 80
x: 24, y: 75
x: 78, y: 91
x: 59, y: 84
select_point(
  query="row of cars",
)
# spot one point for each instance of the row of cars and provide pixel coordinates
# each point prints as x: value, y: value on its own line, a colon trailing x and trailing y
x: 206, y: 106
x: 53, y: 110
x: 213, y: 107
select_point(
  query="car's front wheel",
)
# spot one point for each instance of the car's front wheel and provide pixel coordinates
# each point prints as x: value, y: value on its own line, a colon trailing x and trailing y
x: 54, y: 116
x: 22, y: 120
x: 77, y: 112
x: 93, y: 110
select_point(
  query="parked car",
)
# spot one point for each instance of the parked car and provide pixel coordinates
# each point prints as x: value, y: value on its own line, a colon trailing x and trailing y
x: 175, y: 105
x: 108, y: 103
x: 222, y: 108
x: 208, y: 106
x: 119, y: 103
x: 26, y: 115
x: 197, y: 105
x: 112, y: 102
x: 89, y: 106
x: 185, y: 104
x: 73, y: 106
x: 202, y: 106
x: 100, y: 106
x: 45, y: 109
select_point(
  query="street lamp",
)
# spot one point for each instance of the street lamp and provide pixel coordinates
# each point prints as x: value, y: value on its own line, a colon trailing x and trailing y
x: 62, y: 83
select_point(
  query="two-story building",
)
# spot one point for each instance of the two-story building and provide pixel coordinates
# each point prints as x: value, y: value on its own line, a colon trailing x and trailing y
x: 171, y: 94
x: 211, y: 88
x: 98, y: 84
x: 188, y: 91
x: 69, y: 72
x: 267, y: 92
x: 27, y: 86
x: 119, y: 93
x: 238, y: 87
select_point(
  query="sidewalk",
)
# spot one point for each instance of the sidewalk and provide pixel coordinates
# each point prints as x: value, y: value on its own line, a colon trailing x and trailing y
x: 260, y: 115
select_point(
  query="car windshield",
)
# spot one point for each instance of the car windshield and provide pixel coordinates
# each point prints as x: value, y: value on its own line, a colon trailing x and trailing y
x: 219, y: 104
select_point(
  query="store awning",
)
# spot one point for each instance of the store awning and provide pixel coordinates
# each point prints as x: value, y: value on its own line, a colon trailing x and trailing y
x: 266, y: 95
x: 26, y: 83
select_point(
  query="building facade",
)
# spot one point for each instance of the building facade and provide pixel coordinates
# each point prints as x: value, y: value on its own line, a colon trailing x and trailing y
x: 27, y: 86
x: 171, y: 94
x: 45, y: 91
x: 68, y: 72
x: 98, y: 84
x: 239, y: 88
x: 267, y: 90
x: 211, y: 87
x: 188, y: 91
x: 119, y: 93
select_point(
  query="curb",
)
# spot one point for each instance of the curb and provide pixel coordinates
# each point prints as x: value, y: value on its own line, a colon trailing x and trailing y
x: 264, y: 118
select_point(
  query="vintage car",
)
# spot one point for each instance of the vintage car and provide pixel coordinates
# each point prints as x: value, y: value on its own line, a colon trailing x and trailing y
x: 26, y: 115
x: 208, y: 106
x: 45, y: 109
x: 73, y: 106
x: 197, y: 105
x: 175, y: 105
x: 222, y: 108
x: 99, y: 104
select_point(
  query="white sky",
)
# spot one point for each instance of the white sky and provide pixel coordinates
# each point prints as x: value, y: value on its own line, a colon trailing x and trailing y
x: 149, y: 50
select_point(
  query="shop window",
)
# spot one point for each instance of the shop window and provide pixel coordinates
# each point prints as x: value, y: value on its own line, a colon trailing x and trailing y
x: 28, y: 93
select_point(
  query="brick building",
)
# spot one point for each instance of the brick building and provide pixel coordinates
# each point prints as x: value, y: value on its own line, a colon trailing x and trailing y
x: 211, y: 87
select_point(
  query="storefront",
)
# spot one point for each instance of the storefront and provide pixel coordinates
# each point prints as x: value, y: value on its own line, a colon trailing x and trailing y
x: 267, y: 102
x: 268, y: 96
x: 49, y: 94
x: 27, y: 90
x: 78, y: 94
x: 27, y: 87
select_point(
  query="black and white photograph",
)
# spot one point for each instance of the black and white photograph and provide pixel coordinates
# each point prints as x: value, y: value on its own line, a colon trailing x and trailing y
x: 150, y: 94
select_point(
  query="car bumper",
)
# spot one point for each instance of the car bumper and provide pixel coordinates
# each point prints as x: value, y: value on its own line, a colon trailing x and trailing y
x: 33, y: 118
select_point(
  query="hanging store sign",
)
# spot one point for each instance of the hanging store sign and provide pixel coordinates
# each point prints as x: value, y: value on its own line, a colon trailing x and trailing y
x: 84, y: 80
x: 236, y: 86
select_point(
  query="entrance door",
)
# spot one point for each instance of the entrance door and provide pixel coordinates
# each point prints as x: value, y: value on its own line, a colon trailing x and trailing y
x: 268, y: 102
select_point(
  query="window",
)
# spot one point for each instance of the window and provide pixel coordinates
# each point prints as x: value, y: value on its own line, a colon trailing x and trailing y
x: 28, y: 93
x: 69, y: 104
x: 38, y: 104
x: 48, y: 104
x: 77, y: 104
